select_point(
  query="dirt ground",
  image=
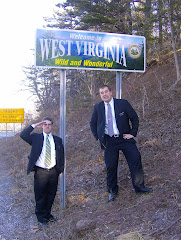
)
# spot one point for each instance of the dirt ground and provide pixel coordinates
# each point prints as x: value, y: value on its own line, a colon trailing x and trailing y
x: 88, y: 215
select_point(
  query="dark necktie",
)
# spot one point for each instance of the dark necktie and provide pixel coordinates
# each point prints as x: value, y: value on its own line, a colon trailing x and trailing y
x: 110, y: 120
x: 48, y: 153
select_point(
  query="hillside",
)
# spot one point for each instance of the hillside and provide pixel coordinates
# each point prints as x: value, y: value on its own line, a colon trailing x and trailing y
x: 88, y: 215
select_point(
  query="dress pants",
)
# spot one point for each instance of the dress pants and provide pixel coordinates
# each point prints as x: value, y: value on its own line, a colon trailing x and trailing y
x: 133, y: 158
x: 45, y: 188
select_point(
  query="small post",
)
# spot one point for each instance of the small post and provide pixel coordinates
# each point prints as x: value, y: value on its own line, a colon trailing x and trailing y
x: 6, y: 132
x: 62, y: 131
x: 14, y: 129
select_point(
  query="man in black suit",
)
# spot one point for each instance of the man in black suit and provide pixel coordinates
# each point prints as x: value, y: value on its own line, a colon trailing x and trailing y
x: 47, y: 160
x: 110, y: 123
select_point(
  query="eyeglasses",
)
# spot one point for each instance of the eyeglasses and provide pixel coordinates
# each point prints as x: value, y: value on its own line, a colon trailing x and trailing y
x: 50, y: 124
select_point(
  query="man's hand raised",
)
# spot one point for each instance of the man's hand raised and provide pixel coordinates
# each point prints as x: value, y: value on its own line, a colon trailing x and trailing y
x: 39, y: 124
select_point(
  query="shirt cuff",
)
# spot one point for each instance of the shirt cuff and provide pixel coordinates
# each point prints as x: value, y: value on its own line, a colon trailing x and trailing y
x: 33, y: 125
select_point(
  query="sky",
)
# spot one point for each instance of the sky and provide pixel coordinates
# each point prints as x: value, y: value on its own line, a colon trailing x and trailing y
x: 19, y: 20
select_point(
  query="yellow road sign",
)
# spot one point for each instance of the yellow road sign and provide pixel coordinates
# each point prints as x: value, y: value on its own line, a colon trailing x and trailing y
x: 12, y: 115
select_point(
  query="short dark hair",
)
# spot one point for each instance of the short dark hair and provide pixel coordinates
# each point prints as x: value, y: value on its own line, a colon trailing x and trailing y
x: 48, y: 118
x: 103, y: 86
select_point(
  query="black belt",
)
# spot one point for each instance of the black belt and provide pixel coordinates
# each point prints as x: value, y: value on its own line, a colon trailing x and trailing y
x: 46, y: 169
x: 115, y: 135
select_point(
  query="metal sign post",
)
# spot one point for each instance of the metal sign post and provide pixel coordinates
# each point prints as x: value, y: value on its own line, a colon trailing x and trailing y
x: 118, y: 95
x: 118, y: 84
x: 62, y: 131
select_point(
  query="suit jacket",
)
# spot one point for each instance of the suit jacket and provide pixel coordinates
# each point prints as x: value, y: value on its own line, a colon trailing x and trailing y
x: 124, y: 114
x: 36, y: 142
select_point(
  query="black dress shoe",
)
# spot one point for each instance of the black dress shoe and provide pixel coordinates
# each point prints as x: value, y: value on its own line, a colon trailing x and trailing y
x: 112, y: 196
x: 143, y: 190
x: 43, y: 223
x: 52, y: 218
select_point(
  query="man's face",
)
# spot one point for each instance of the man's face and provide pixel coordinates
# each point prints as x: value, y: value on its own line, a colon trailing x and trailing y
x: 105, y: 94
x: 47, y: 126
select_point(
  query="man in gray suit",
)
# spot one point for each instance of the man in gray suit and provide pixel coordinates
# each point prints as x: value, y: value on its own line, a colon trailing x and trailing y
x: 46, y: 159
x: 110, y: 123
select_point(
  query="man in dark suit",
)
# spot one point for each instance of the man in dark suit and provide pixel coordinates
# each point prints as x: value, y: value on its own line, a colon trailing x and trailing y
x: 47, y: 160
x: 110, y: 123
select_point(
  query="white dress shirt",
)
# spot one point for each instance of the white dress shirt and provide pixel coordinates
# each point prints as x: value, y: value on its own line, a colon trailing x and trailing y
x: 41, y: 160
x: 115, y: 129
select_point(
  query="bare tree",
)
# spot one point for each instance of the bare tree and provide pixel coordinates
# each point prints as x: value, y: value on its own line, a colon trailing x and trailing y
x: 42, y: 83
x: 167, y: 5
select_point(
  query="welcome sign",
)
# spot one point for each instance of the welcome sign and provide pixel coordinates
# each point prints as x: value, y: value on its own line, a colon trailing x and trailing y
x: 74, y: 49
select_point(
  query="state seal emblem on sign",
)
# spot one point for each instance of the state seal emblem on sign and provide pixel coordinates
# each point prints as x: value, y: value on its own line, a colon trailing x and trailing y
x: 134, y: 51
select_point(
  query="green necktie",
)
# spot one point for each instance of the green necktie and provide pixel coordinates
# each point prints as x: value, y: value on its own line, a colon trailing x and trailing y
x: 48, y: 153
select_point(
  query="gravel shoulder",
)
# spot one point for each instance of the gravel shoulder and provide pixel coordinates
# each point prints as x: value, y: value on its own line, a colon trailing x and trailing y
x: 13, y: 222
